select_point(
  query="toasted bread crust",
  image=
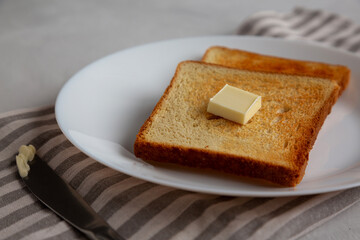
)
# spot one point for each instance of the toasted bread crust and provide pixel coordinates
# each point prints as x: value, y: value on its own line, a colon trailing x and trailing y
x: 229, y: 163
x: 258, y: 62
x: 203, y: 159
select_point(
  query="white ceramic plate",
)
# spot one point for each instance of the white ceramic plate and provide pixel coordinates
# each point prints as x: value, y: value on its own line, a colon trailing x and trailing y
x: 101, y: 109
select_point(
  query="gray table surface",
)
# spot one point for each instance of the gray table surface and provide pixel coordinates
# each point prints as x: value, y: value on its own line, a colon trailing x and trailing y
x: 43, y: 43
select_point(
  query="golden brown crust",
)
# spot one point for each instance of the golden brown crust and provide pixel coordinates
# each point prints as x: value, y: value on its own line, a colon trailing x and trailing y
x: 308, y: 141
x: 258, y: 62
x: 230, y: 163
x: 227, y: 163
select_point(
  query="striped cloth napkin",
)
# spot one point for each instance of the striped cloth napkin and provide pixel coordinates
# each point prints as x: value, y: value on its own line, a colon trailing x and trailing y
x: 306, y: 25
x: 142, y: 210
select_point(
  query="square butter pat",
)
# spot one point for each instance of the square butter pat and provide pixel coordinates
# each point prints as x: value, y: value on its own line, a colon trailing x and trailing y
x: 234, y: 104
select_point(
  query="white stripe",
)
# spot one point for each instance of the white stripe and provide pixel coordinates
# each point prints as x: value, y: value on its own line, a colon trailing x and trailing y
x: 49, y: 232
x: 276, y: 223
x: 270, y: 18
x: 314, y: 23
x: 166, y: 216
x: 347, y: 33
x: 301, y: 17
x: 319, y: 223
x: 279, y: 25
x: 326, y: 29
x: 8, y: 171
x: 351, y: 41
x: 70, y: 173
x: 49, y: 145
x: 241, y: 220
x: 11, y: 186
x: 296, y: 14
x: 16, y: 205
x: 292, y: 18
x: 136, y: 204
x: 23, y: 223
x: 111, y: 192
x: 210, y: 215
x: 23, y: 111
x: 11, y: 126
x: 91, y: 180
x: 260, y: 17
x: 336, y: 24
x: 281, y: 30
x: 61, y: 156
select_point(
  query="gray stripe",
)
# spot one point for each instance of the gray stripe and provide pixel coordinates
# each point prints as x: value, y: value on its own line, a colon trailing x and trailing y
x: 250, y: 228
x: 145, y: 214
x: 346, y: 24
x: 45, y: 137
x: 341, y: 41
x: 9, y: 178
x: 264, y: 30
x: 250, y: 24
x: 354, y: 47
x: 296, y: 12
x: 308, y: 17
x: 123, y: 198
x: 50, y: 154
x: 280, y: 35
x: 11, y: 197
x: 46, y: 222
x: 69, y: 162
x: 69, y: 234
x: 7, y: 163
x: 195, y: 210
x: 80, y: 176
x: 6, y: 120
x: 229, y: 215
x: 20, y: 213
x: 317, y: 213
x: 319, y: 26
x: 11, y: 137
x: 102, y: 185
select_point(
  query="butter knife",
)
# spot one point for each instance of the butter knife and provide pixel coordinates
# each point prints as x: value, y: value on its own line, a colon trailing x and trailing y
x: 61, y: 198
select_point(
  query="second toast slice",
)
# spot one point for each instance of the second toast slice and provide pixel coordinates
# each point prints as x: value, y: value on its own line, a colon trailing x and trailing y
x: 258, y: 62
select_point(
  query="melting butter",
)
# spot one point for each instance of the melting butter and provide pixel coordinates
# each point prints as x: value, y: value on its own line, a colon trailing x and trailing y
x: 26, y: 154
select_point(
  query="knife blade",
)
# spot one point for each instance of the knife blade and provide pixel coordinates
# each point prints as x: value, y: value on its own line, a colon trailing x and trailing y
x: 61, y: 198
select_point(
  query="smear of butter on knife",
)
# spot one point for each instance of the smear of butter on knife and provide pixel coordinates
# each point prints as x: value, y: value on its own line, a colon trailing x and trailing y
x: 26, y: 154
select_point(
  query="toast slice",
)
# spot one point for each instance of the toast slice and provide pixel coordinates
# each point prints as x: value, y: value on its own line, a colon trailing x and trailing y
x: 274, y: 145
x: 257, y: 62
